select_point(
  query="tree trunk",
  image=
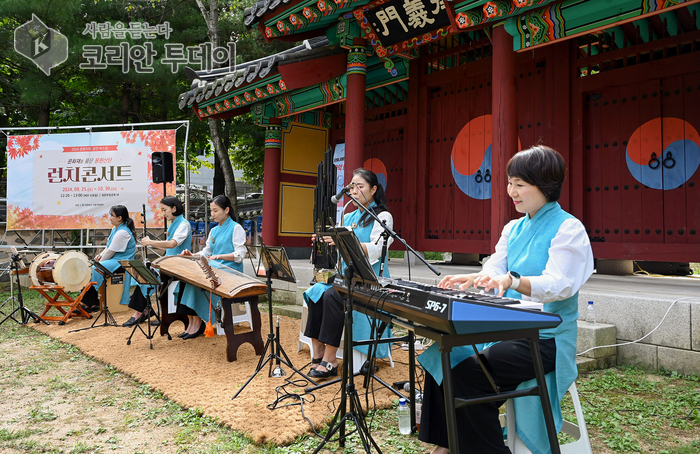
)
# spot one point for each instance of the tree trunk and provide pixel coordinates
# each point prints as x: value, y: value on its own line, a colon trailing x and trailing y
x: 222, y: 153
x: 226, y: 133
x: 136, y: 103
x: 44, y: 115
x: 219, y: 184
x: 124, y: 114
x: 211, y: 18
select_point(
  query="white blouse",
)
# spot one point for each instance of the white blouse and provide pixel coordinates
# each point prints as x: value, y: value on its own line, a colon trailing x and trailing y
x: 181, y: 233
x: 374, y: 251
x: 120, y: 241
x: 569, y: 266
x: 238, y: 240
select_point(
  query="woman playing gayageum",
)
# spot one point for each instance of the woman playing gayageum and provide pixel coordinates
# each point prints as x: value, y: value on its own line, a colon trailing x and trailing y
x: 225, y: 246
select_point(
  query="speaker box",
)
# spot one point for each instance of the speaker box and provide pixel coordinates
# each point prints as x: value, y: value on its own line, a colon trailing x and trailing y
x: 162, y: 165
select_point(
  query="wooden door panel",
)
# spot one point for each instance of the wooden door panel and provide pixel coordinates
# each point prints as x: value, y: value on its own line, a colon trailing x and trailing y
x: 691, y: 115
x: 652, y: 199
x: 462, y: 203
x: 672, y: 158
x: 384, y: 156
x: 631, y: 221
x: 433, y: 171
x: 446, y: 139
x: 593, y: 217
x: 611, y: 165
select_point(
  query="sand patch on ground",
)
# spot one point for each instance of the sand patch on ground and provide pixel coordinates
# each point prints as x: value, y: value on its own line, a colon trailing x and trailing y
x: 195, y: 373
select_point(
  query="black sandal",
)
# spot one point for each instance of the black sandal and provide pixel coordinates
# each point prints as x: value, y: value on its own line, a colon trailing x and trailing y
x: 131, y: 322
x: 331, y: 371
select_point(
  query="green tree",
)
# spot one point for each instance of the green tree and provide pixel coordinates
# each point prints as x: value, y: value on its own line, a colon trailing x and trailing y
x: 71, y: 95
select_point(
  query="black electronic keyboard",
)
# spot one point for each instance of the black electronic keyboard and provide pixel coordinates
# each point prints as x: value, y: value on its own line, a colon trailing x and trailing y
x: 449, y: 311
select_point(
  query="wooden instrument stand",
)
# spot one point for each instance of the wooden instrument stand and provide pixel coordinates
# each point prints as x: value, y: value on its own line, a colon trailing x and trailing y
x: 73, y: 305
x: 234, y: 341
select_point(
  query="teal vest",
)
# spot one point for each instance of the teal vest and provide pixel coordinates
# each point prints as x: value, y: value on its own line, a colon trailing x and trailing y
x: 362, y: 324
x: 221, y: 243
x: 528, y: 243
x: 127, y: 254
x: 113, y: 263
x: 187, y: 244
x: 528, y: 252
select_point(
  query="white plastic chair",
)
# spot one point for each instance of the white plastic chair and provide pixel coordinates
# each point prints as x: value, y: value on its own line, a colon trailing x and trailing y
x: 358, y: 358
x: 237, y: 313
x: 238, y: 317
x: 582, y: 445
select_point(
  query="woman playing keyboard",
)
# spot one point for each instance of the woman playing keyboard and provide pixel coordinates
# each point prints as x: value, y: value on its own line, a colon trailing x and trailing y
x: 544, y: 256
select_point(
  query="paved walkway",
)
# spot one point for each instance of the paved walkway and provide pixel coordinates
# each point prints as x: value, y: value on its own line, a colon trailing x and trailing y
x: 662, y: 288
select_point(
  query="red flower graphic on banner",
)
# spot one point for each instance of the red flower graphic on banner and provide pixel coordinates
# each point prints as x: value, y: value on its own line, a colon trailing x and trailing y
x: 24, y: 219
x: 19, y: 146
x: 163, y: 140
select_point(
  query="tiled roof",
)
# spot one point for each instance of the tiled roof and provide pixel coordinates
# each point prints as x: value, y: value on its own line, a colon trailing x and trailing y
x: 255, y: 12
x: 207, y: 84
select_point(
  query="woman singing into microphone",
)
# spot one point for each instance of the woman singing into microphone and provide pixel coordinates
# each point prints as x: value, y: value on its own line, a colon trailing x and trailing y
x: 178, y: 239
x: 326, y: 308
x: 120, y: 246
x: 225, y: 246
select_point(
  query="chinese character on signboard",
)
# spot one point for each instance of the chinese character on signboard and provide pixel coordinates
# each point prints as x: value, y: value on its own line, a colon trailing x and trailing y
x: 400, y: 20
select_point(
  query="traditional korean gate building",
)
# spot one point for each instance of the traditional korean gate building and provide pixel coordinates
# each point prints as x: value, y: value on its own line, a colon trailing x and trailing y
x: 436, y: 96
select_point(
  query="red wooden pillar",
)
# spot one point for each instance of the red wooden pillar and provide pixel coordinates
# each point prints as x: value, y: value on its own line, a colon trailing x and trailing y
x: 505, y: 127
x: 355, y: 107
x: 271, y: 186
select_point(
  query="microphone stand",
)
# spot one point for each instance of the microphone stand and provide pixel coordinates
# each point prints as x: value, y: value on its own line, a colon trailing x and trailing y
x: 411, y: 336
x: 390, y: 233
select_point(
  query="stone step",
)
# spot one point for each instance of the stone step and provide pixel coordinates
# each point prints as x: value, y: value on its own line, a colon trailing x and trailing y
x: 584, y: 364
x: 288, y: 310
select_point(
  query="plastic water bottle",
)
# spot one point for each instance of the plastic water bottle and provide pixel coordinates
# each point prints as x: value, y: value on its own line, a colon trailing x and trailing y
x: 404, y: 417
x: 418, y: 405
x: 590, y: 314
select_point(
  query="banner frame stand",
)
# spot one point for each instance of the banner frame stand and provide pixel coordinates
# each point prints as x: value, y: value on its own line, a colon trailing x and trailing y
x: 89, y: 128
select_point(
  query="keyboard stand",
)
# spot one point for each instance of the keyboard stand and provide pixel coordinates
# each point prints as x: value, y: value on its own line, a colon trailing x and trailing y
x: 447, y: 341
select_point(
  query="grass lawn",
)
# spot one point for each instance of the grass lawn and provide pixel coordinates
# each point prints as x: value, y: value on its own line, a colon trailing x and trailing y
x: 57, y: 400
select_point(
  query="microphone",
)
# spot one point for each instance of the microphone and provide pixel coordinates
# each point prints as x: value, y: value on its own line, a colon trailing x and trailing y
x: 402, y: 385
x: 336, y: 198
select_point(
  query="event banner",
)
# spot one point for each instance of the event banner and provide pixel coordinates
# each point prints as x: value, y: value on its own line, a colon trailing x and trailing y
x: 70, y: 181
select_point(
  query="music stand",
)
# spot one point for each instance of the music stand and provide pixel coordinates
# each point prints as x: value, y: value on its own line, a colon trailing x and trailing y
x: 143, y: 275
x: 104, y: 309
x: 276, y: 263
x: 357, y: 268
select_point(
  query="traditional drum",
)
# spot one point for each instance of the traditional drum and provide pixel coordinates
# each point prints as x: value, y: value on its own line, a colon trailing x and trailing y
x: 70, y: 270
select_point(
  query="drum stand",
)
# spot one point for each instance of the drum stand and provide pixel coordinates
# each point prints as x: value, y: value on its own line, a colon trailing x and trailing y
x: 26, y: 313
